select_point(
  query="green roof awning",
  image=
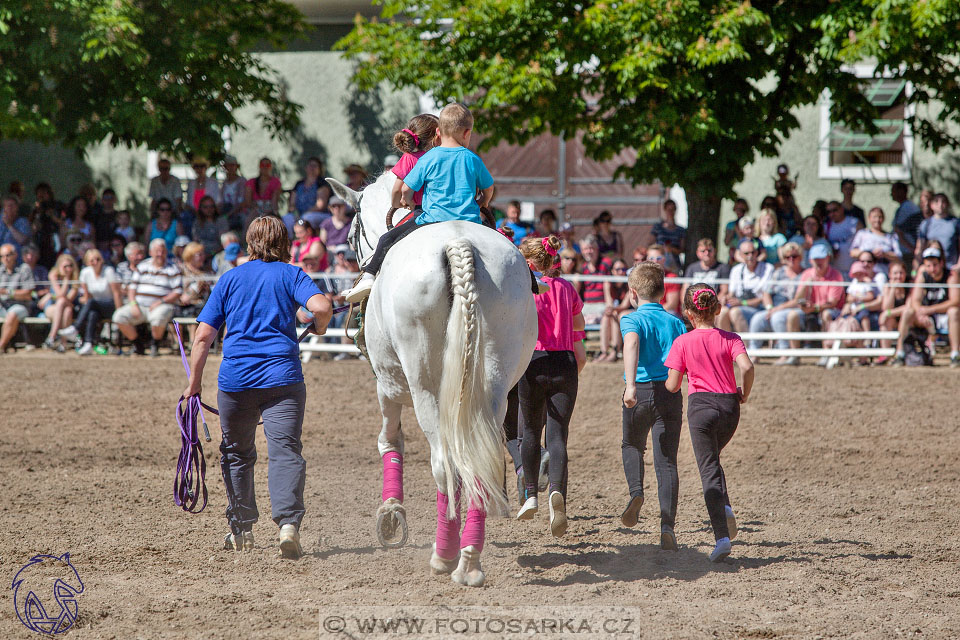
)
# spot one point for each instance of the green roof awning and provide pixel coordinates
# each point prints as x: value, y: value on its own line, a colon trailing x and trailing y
x: 883, y: 92
x: 842, y: 139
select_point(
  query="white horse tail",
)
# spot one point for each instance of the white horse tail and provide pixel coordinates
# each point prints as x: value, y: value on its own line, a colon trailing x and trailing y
x: 470, y: 437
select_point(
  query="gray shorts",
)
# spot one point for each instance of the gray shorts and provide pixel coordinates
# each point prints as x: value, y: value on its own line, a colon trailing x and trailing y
x: 135, y: 314
x: 18, y: 310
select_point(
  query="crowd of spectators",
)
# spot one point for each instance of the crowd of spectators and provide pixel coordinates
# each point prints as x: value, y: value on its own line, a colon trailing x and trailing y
x: 143, y: 276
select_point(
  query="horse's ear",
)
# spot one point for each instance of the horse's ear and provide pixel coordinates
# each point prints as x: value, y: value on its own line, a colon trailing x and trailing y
x: 350, y: 196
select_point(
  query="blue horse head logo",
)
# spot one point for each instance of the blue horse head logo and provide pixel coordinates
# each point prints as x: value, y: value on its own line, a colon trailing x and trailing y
x: 45, y: 594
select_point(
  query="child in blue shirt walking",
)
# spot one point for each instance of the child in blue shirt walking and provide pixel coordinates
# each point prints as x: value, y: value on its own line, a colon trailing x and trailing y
x: 450, y: 176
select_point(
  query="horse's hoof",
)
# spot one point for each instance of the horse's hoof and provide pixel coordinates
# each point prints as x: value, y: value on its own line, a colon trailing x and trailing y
x: 469, y: 572
x: 441, y: 566
x: 391, y: 517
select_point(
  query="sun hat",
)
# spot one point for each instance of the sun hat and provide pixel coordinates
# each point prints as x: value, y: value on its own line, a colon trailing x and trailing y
x: 181, y: 241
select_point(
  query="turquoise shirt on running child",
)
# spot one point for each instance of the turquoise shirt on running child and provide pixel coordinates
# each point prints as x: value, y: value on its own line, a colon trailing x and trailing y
x: 657, y: 329
x: 450, y: 177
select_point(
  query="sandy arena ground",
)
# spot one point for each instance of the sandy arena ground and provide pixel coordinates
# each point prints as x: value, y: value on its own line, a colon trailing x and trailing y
x: 845, y: 484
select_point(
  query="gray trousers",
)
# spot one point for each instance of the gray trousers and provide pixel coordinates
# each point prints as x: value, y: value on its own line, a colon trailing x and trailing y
x: 282, y: 409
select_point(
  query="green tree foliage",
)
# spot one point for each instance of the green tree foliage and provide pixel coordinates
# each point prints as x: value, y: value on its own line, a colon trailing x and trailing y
x: 166, y: 73
x: 697, y: 88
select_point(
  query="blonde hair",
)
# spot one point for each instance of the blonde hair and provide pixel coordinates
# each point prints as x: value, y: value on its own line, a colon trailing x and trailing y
x: 267, y: 240
x: 455, y: 118
x: 192, y: 249
x: 89, y: 254
x: 63, y: 258
x: 535, y: 251
x: 647, y: 280
x: 424, y: 127
x: 758, y: 225
x: 790, y: 246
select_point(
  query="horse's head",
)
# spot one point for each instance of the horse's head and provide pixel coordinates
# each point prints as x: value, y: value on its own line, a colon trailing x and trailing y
x: 371, y: 206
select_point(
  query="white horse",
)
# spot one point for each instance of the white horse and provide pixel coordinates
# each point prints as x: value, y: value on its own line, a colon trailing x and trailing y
x: 450, y: 326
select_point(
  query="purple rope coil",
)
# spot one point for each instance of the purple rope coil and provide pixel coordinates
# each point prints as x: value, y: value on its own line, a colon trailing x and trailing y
x: 190, y: 482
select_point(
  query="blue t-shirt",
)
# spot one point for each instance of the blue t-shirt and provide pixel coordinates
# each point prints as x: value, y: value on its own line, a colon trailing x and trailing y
x: 657, y: 329
x: 258, y: 301
x: 520, y: 230
x: 449, y: 177
x: 943, y: 230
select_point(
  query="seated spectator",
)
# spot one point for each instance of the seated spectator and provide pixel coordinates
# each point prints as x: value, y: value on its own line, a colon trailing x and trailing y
x: 197, y: 280
x: 780, y: 299
x: 894, y: 301
x: 304, y: 237
x: 60, y: 304
x: 162, y: 227
x: 592, y: 292
x: 17, y: 188
x: 747, y: 229
x: 567, y: 239
x: 123, y: 227
x: 617, y: 298
x: 942, y: 227
x: 639, y: 255
x: 315, y: 259
x: 840, y: 229
x: 31, y: 257
x: 609, y: 240
x: 209, y: 226
x: 227, y: 259
x: 115, y: 251
x: 708, y: 270
x: 512, y: 221
x: 748, y: 281
x: 767, y: 231
x: 335, y: 229
x: 16, y: 289
x: 884, y: 246
x: 14, y: 229
x: 671, y: 295
x: 863, y: 297
x: 232, y: 193
x: 165, y: 186
x: 569, y: 265
x: 870, y: 261
x: 262, y: 194
x: 731, y: 235
x: 547, y: 225
x: 155, y: 289
x: 310, y: 189
x: 100, y: 296
x: 812, y: 233
x: 668, y: 234
x: 817, y: 303
x: 936, y: 309
x: 178, y: 246
x: 135, y: 253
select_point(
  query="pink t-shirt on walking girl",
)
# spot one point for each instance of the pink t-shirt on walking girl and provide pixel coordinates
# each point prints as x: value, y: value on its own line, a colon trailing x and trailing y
x: 555, y: 311
x: 706, y: 356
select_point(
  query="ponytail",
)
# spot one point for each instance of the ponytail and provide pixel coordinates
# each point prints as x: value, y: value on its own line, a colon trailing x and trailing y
x: 418, y: 135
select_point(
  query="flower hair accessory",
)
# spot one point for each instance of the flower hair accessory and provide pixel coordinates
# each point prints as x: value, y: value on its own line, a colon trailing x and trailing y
x: 548, y: 247
x: 416, y: 138
x: 699, y: 302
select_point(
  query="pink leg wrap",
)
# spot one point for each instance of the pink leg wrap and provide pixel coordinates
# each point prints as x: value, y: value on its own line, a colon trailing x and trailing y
x: 392, y: 476
x: 473, y: 530
x: 448, y: 531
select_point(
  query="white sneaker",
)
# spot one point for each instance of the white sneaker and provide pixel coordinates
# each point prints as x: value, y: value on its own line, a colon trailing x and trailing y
x: 721, y: 551
x: 85, y: 349
x: 361, y: 290
x: 558, y: 515
x: 529, y: 509
x: 731, y: 522
x: 290, y: 542
x: 69, y: 332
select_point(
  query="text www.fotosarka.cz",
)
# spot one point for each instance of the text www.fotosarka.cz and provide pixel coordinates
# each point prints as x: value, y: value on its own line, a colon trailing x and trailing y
x: 444, y: 621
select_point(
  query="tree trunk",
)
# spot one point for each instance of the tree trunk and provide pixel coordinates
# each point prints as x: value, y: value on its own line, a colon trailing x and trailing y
x: 703, y: 219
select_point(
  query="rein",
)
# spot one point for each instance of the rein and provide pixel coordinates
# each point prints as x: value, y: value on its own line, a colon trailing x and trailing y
x: 190, y: 484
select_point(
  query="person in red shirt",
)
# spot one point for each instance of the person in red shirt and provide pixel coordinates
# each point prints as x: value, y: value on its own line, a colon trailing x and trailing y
x: 817, y: 303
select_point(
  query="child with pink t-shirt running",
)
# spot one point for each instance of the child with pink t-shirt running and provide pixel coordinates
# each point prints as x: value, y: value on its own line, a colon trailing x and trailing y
x: 706, y: 355
x: 549, y: 381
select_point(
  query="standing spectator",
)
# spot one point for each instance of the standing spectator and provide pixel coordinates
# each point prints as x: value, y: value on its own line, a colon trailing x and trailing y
x: 123, y: 228
x: 60, y: 306
x: 617, y: 298
x: 310, y: 189
x: 156, y: 287
x: 783, y: 182
x: 232, y: 192
x: 884, y: 246
x: 894, y: 302
x: 14, y: 229
x: 840, y: 229
x: 926, y: 196
x: 848, y: 187
x: 105, y: 219
x: 812, y: 233
x: 77, y: 223
x: 667, y: 233
x: 45, y: 232
x: 356, y: 176
x: 17, y: 189
x: 779, y: 298
x: 592, y: 292
x: 731, y: 236
x: 209, y: 226
x: 708, y: 270
x: 943, y: 227
x: 163, y: 227
x: 748, y: 281
x: 671, y: 290
x: 200, y: 187
x: 100, y: 296
x: 936, y: 309
x: 165, y: 187
x: 135, y: 254
x: 787, y: 212
x: 335, y: 230
x: 819, y: 210
x: 818, y: 303
x: 512, y: 221
x: 262, y: 194
x: 44, y: 195
x: 906, y: 221
x: 609, y: 240
x: 229, y: 257
x: 567, y: 239
x: 16, y: 289
x: 769, y: 235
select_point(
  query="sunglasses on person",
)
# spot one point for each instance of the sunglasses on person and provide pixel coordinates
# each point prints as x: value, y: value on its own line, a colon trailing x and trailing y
x: 655, y: 258
x: 792, y: 256
x: 618, y: 269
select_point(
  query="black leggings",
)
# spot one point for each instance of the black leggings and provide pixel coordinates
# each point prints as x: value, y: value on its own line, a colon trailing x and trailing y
x: 90, y: 315
x: 713, y: 419
x: 549, y: 384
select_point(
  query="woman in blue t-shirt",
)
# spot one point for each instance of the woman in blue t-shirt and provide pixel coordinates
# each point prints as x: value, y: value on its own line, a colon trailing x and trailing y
x: 260, y: 376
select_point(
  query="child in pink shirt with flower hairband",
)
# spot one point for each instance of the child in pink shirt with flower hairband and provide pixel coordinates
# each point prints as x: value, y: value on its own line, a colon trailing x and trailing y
x: 707, y: 355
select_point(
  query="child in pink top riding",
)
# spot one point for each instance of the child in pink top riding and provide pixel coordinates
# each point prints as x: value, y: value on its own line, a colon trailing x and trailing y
x: 419, y: 136
x: 549, y: 385
x: 706, y: 355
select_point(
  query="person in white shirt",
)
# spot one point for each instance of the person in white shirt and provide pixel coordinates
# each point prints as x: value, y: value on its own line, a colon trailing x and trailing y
x: 166, y: 186
x: 155, y: 288
x: 748, y: 281
x: 100, y: 297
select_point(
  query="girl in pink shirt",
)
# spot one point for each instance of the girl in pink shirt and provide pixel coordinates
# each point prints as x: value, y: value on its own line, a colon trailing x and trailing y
x: 416, y: 139
x: 706, y: 355
x: 549, y: 385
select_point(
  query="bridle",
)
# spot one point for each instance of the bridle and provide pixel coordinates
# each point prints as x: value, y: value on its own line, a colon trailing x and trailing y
x: 360, y: 230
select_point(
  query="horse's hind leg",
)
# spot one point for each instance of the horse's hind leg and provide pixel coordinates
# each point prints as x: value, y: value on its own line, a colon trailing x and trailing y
x: 391, y: 517
x: 447, y: 545
x: 469, y: 572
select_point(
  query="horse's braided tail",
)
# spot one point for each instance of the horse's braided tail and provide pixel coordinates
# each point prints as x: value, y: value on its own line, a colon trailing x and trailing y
x: 471, y: 438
